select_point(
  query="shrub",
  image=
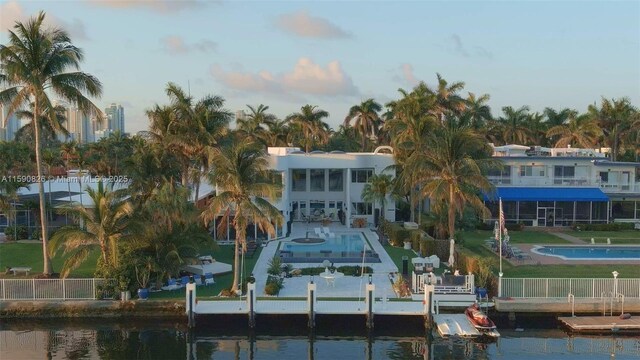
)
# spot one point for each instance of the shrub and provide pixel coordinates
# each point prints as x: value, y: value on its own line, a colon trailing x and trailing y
x: 484, y: 226
x: 275, y: 266
x: 603, y: 227
x: 16, y: 232
x: 311, y: 271
x: 515, y: 227
x: 354, y: 270
x: 273, y: 286
x: 397, y: 234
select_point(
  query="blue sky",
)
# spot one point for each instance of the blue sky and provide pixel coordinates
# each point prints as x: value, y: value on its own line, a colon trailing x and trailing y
x: 335, y: 54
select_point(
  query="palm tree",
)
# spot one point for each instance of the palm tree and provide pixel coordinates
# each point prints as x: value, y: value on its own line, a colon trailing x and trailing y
x: 450, y: 168
x: 377, y: 189
x: 310, y: 121
x: 48, y: 129
x: 252, y: 126
x: 365, y: 117
x: 447, y: 100
x: 47, y: 53
x: 278, y: 133
x: 240, y: 171
x: 581, y: 131
x: 513, y: 125
x: 477, y: 113
x: 104, y: 225
x: 615, y: 119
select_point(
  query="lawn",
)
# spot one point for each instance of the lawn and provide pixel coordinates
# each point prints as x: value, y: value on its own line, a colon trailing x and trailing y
x: 600, y: 237
x: 396, y: 254
x: 15, y: 254
x: 516, y: 237
x: 223, y: 254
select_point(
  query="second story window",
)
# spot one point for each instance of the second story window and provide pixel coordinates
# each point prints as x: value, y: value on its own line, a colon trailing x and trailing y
x: 564, y: 171
x: 604, y: 176
x: 532, y: 170
x: 361, y: 175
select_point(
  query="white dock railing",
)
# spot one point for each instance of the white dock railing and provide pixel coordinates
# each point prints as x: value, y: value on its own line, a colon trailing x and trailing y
x: 418, y: 282
x: 53, y: 289
x: 560, y: 288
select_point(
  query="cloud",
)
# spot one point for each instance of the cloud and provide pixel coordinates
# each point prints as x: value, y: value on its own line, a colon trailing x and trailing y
x: 458, y: 48
x: 304, y: 25
x: 174, y: 44
x: 406, y: 75
x: 306, y: 77
x: 12, y: 11
x: 160, y: 6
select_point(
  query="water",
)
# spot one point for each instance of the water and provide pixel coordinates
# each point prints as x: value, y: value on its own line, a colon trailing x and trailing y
x: 342, y: 242
x: 591, y: 252
x: 20, y: 339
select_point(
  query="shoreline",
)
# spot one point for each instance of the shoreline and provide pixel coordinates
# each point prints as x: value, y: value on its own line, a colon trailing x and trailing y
x: 166, y: 309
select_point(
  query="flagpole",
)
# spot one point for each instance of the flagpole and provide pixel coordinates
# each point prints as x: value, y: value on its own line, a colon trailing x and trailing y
x: 500, y: 217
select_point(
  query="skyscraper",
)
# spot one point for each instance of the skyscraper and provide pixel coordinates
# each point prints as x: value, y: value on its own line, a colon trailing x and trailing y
x: 114, y: 118
x: 9, y: 125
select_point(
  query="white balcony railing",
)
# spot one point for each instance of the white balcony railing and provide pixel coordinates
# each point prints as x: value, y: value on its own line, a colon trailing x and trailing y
x: 564, y: 181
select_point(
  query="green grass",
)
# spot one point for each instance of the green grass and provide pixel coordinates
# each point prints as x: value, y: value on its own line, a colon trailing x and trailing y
x: 600, y: 237
x: 223, y: 254
x: 396, y: 254
x: 30, y: 255
x: 516, y: 237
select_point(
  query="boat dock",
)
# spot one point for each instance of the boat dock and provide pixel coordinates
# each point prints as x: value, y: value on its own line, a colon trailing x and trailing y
x: 599, y: 324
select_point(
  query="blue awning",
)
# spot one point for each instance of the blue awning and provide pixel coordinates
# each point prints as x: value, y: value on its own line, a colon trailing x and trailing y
x: 547, y: 194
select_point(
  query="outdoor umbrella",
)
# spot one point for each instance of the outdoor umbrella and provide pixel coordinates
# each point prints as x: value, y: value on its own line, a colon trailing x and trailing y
x: 451, y: 250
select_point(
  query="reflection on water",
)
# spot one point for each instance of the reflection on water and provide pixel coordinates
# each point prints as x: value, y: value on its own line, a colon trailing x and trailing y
x: 153, y: 340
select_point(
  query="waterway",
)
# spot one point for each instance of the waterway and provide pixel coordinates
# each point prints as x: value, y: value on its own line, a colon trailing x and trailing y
x: 335, y: 338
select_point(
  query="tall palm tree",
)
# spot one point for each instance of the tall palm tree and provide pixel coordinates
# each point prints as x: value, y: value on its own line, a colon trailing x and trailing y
x: 365, y: 117
x: 253, y: 125
x: 241, y: 172
x: 447, y: 99
x: 615, y: 118
x: 477, y: 112
x: 581, y: 131
x: 450, y: 169
x: 48, y: 129
x: 104, y: 225
x: 310, y: 121
x: 34, y: 64
x: 277, y: 133
x: 377, y: 189
x: 513, y: 125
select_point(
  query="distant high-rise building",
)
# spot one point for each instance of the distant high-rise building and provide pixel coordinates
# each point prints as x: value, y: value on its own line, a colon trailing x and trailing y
x: 114, y: 116
x: 9, y: 125
x: 79, y: 126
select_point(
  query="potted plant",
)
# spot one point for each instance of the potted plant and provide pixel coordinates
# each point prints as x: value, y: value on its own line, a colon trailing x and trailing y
x: 123, y: 285
x: 143, y: 272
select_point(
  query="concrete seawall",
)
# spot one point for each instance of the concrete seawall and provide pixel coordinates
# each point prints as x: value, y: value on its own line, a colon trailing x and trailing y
x: 92, y: 308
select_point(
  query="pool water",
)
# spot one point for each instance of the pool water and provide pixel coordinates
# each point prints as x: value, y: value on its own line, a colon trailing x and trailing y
x: 590, y: 252
x: 342, y: 242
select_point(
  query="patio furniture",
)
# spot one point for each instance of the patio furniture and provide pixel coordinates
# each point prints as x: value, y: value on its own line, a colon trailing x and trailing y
x: 172, y: 284
x: 184, y: 280
x: 330, y: 277
x: 208, y: 279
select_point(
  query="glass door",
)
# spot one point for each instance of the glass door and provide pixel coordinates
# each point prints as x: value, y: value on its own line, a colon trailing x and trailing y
x: 542, y: 216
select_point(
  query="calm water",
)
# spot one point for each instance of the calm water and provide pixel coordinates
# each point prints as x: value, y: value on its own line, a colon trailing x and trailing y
x: 592, y: 253
x: 227, y: 339
x: 342, y: 242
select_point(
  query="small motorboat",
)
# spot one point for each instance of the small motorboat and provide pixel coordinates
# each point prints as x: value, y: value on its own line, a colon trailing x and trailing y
x: 479, y: 319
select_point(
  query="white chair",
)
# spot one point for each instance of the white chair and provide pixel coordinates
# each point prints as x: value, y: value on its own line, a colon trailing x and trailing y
x: 593, y: 241
x: 608, y: 241
x: 208, y: 279
x: 326, y: 230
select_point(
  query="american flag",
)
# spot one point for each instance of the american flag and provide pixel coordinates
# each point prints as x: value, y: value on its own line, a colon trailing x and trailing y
x: 501, y: 221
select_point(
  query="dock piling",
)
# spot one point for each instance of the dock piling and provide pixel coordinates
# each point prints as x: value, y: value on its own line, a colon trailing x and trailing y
x: 311, y: 302
x: 428, y: 305
x: 251, y: 298
x: 191, y: 301
x: 370, y: 299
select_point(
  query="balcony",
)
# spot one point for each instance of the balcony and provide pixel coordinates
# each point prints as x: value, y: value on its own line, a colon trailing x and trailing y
x: 532, y: 181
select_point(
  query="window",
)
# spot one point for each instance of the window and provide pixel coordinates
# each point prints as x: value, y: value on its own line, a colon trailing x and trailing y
x: 299, y: 180
x: 361, y: 175
x: 336, y: 180
x: 317, y: 179
x: 604, y: 176
x: 564, y: 171
x: 501, y: 172
x: 532, y: 170
x: 362, y: 208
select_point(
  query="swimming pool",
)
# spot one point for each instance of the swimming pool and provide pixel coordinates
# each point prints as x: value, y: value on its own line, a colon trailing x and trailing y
x: 342, y: 248
x: 590, y: 252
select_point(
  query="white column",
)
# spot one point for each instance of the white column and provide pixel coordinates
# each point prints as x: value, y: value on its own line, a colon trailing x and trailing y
x: 347, y: 216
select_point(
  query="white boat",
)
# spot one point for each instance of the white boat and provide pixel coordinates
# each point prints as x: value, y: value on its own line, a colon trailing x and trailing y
x: 208, y: 265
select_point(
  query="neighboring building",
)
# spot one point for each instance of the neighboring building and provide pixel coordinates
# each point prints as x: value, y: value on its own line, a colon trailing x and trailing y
x: 102, y: 134
x: 80, y: 126
x: 321, y: 186
x: 562, y: 186
x: 114, y: 116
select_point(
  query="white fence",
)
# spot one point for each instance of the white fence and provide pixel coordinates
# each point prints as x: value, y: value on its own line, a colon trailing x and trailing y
x: 557, y: 287
x: 55, y: 289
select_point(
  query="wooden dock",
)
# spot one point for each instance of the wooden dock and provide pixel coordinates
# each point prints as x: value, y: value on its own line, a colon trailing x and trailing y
x: 599, y: 324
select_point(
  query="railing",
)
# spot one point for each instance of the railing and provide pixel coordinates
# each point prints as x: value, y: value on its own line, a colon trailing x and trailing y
x: 420, y: 280
x: 55, y: 289
x: 559, y: 288
x: 544, y: 181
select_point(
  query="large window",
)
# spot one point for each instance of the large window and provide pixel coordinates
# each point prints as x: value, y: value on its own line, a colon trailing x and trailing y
x: 532, y: 170
x: 317, y: 179
x: 361, y: 175
x: 528, y: 210
x: 362, y: 208
x: 622, y: 209
x: 299, y: 180
x: 336, y: 180
x: 604, y: 177
x: 564, y: 171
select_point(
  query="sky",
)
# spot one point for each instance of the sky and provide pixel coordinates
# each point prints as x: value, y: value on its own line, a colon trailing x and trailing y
x: 286, y: 54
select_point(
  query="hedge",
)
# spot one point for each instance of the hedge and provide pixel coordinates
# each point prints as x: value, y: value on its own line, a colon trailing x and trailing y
x: 603, y: 227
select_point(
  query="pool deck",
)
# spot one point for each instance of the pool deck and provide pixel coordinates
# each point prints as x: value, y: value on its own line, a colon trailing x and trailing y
x: 348, y: 286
